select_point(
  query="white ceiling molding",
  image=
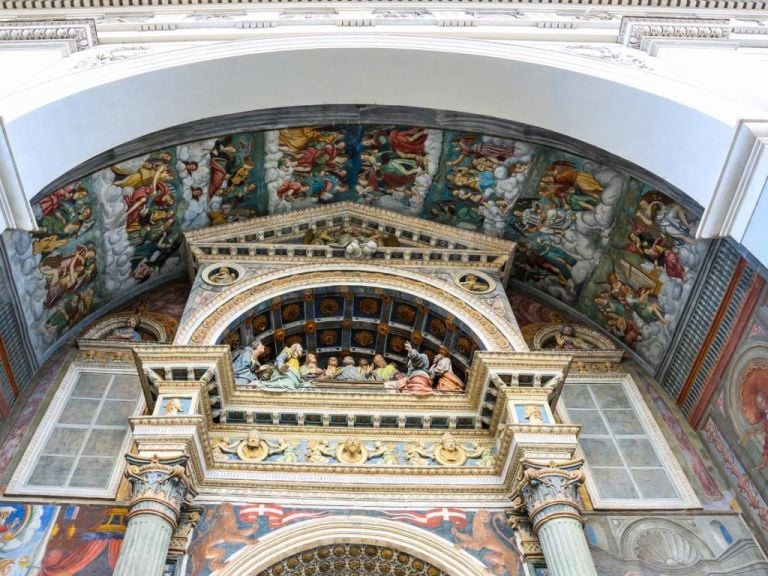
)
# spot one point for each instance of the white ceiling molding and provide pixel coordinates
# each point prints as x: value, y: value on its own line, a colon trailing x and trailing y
x: 78, y: 34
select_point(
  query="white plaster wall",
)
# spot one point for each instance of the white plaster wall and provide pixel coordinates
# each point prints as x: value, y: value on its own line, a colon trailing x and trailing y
x: 671, y: 128
x: 677, y: 120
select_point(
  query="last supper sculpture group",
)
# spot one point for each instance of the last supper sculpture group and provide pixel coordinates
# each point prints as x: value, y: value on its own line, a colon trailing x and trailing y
x: 420, y: 376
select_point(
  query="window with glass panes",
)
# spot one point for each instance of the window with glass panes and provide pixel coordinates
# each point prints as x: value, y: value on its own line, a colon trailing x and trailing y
x: 622, y: 455
x: 81, y: 450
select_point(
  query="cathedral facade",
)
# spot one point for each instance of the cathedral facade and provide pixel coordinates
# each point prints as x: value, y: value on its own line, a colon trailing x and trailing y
x: 320, y: 288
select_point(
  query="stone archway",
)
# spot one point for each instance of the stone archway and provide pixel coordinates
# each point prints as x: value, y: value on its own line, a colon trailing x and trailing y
x: 389, y: 539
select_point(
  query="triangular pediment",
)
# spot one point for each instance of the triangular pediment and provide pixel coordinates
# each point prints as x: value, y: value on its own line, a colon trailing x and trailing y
x: 352, y: 231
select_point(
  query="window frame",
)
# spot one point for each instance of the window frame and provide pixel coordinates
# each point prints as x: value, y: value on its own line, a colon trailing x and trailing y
x: 19, y: 481
x: 687, y: 498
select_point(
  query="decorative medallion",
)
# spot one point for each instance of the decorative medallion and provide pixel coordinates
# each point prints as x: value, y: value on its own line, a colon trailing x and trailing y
x: 222, y: 273
x: 475, y: 282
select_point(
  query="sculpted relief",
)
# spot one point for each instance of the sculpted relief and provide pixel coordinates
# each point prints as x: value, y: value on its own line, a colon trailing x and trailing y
x: 288, y: 373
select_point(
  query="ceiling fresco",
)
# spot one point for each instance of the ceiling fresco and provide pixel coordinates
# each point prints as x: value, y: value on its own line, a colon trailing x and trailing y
x: 597, y: 239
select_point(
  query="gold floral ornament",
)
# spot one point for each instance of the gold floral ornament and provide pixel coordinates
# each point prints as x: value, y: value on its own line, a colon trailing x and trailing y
x: 369, y: 306
x: 364, y: 339
x: 464, y: 346
x: 295, y: 339
x: 437, y: 327
x: 329, y: 307
x: 405, y: 314
x: 397, y: 344
x: 291, y: 312
x: 233, y: 339
x: 259, y: 323
x: 328, y: 337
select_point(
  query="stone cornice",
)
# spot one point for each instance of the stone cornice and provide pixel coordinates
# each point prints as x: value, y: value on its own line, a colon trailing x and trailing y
x: 641, y: 32
x: 77, y: 34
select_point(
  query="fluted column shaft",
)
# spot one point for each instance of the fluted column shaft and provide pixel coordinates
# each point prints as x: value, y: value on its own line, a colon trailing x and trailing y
x: 145, y: 546
x: 159, y: 488
x: 548, y: 494
x: 565, y: 548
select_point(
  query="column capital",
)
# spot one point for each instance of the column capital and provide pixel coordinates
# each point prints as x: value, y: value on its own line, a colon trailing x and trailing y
x: 159, y: 487
x: 548, y: 491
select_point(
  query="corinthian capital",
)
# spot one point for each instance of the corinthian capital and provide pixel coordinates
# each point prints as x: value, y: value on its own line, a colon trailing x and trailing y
x: 159, y: 486
x: 547, y: 491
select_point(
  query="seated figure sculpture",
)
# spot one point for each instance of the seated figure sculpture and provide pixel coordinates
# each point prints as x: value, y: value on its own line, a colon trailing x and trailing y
x: 332, y: 370
x: 365, y: 369
x: 349, y: 372
x: 417, y: 379
x: 246, y: 364
x: 444, y: 378
x: 310, y: 369
x: 287, y: 375
x: 383, y: 371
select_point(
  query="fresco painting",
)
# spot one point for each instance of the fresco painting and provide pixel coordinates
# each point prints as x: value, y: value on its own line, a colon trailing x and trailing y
x: 736, y: 423
x: 588, y: 235
x: 24, y: 529
x: 651, y: 267
x: 563, y: 220
x: 480, y: 180
x: 84, y: 541
x: 305, y: 166
x: 227, y: 528
x: 21, y: 426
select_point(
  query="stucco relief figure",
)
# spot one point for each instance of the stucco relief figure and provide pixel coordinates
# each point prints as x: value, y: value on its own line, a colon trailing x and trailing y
x: 332, y: 370
x: 356, y: 242
x: 417, y: 379
x: 444, y: 378
x: 449, y: 452
x: 473, y: 283
x: 173, y: 407
x: 223, y: 276
x: 446, y: 452
x: 253, y: 448
x: 364, y: 369
x: 532, y: 414
x: 353, y: 451
x: 126, y: 333
x: 566, y: 339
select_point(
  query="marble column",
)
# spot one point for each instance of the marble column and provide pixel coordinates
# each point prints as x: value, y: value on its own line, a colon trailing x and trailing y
x: 159, y: 489
x: 547, y: 493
